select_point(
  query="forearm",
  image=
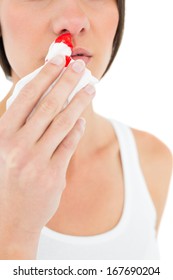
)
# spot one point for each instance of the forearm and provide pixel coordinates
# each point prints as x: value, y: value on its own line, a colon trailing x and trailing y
x: 18, y: 246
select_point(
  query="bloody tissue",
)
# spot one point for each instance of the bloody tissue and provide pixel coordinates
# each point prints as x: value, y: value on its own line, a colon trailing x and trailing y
x: 66, y: 39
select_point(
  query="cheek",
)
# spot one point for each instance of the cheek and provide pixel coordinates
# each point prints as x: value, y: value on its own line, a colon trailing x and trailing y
x: 110, y: 28
x: 12, y: 37
x: 106, y: 35
x: 17, y: 37
x: 13, y: 27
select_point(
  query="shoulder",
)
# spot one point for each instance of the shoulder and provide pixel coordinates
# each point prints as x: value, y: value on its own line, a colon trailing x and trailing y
x: 156, y: 162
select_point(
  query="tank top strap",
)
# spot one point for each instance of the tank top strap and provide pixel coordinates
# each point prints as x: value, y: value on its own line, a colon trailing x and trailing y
x: 134, y: 180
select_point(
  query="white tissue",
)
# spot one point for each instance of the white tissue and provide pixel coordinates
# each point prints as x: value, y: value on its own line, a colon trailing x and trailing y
x: 57, y: 48
x: 54, y: 50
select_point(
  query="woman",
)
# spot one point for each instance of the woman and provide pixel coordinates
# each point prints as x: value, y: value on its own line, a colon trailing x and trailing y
x: 66, y: 193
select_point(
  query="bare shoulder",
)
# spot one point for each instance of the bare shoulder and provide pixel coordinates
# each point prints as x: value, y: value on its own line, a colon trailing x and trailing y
x: 156, y: 162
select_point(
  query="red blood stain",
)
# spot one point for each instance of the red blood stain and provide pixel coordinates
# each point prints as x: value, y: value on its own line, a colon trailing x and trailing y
x: 66, y: 39
x: 68, y: 59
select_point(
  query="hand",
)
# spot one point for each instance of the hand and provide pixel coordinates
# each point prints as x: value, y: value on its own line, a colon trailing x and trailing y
x: 35, y: 150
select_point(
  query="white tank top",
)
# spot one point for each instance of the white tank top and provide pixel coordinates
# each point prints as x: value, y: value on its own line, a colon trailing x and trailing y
x: 134, y: 237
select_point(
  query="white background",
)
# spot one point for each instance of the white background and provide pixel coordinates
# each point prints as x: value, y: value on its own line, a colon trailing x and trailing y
x: 139, y: 87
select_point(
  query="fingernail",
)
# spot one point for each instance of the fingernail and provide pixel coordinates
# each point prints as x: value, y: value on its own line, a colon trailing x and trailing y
x: 89, y: 89
x: 78, y: 66
x: 58, y: 60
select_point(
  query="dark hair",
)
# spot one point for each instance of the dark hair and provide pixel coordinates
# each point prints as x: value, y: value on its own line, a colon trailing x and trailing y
x: 119, y: 33
x: 116, y: 43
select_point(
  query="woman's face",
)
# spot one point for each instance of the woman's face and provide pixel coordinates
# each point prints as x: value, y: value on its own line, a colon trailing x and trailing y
x: 29, y: 26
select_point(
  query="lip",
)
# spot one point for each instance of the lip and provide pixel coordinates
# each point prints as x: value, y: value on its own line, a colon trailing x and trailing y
x: 80, y: 53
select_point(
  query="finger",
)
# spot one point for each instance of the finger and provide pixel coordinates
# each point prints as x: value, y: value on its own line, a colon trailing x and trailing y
x: 66, y: 149
x: 64, y: 122
x: 24, y: 103
x: 52, y: 104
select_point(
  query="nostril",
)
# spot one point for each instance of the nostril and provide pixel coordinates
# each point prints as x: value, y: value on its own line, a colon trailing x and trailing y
x: 65, y: 31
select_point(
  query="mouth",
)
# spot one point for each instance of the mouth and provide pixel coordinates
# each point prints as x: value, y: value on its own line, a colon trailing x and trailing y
x: 79, y: 53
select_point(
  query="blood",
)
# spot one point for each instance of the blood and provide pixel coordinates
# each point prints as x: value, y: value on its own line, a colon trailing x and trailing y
x: 66, y: 39
x: 67, y: 60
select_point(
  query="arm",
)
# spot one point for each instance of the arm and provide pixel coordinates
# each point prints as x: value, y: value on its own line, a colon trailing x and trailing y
x: 17, y: 244
x: 35, y: 152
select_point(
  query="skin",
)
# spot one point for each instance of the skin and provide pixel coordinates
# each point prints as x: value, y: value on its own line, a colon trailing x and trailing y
x: 40, y: 170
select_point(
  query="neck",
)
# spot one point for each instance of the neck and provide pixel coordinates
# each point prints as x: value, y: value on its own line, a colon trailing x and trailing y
x: 90, y: 140
x: 98, y: 136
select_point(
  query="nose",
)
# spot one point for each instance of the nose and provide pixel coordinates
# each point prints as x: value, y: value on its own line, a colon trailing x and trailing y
x: 70, y: 16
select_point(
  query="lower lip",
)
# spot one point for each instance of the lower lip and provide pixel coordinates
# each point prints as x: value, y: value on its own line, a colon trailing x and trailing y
x: 86, y: 59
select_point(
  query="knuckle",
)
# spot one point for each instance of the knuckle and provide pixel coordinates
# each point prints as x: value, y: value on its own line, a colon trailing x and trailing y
x: 28, y: 92
x: 68, y: 79
x: 72, y: 140
x: 13, y: 153
x: 48, y: 70
x: 16, y: 159
x: 81, y: 101
x: 48, y: 105
x: 13, y: 157
x: 63, y: 121
x: 68, y: 144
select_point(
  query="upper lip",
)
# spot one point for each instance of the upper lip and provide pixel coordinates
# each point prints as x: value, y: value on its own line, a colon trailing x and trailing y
x: 81, y: 51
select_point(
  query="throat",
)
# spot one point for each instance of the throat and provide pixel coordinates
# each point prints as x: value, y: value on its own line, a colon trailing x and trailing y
x: 98, y: 138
